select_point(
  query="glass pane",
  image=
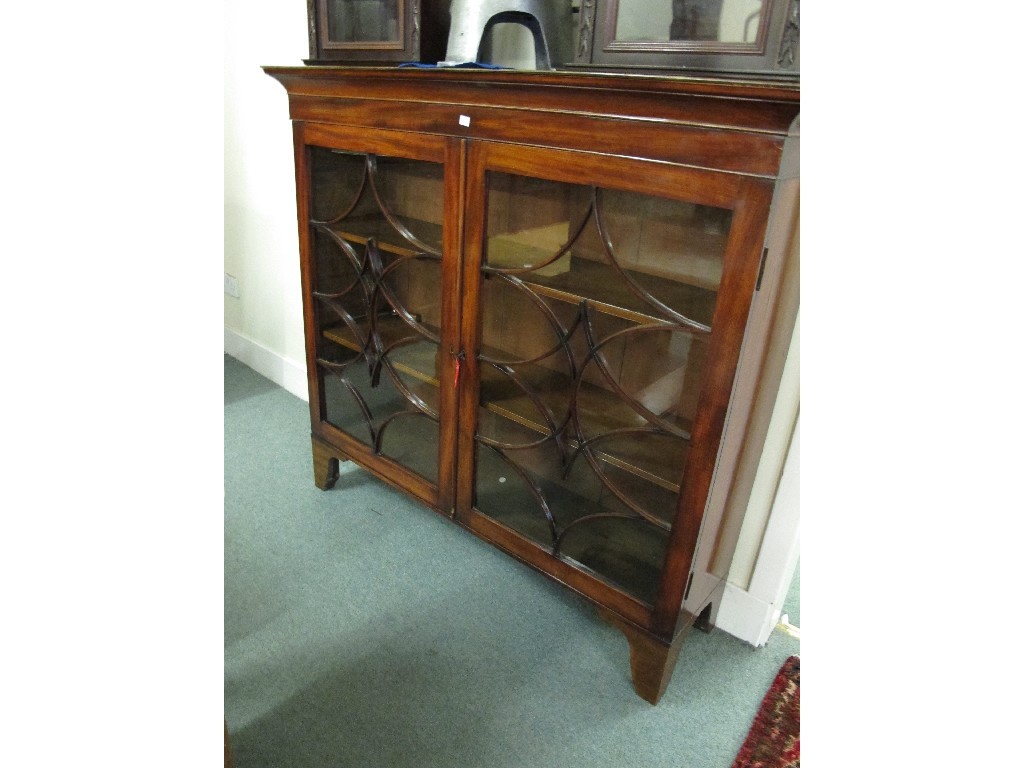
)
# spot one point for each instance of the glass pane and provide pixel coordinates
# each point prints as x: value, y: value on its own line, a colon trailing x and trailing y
x: 596, y: 316
x: 363, y: 21
x: 727, y: 21
x: 377, y: 238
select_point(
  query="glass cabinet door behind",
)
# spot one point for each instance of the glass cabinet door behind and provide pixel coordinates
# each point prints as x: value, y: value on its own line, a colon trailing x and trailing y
x: 596, y: 309
x: 362, y: 21
x: 376, y: 233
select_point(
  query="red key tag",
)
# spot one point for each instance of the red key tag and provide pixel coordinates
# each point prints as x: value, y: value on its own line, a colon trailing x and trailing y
x: 458, y: 370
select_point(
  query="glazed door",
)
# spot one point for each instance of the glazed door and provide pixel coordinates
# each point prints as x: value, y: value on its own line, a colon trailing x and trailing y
x: 593, y: 292
x: 377, y: 273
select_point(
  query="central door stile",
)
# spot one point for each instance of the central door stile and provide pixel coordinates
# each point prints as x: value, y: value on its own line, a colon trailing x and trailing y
x: 474, y: 230
x: 452, y: 368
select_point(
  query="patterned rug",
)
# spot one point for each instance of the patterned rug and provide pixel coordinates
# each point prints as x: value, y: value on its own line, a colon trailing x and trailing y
x: 774, y: 738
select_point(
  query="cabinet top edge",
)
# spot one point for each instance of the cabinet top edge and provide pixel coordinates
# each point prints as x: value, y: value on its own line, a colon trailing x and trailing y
x: 722, y: 87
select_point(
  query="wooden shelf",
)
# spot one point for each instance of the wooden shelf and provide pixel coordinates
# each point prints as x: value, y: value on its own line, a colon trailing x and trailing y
x: 602, y: 286
x: 600, y: 410
x: 626, y: 554
x: 606, y: 291
x: 418, y: 362
x: 359, y: 229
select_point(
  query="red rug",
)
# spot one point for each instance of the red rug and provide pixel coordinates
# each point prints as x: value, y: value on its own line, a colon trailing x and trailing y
x: 774, y: 738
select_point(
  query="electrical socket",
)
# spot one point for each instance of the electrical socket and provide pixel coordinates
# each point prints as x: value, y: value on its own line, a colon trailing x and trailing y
x: 230, y: 285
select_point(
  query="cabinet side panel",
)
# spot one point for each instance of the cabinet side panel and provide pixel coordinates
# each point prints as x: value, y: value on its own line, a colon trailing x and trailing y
x: 762, y: 392
x: 738, y: 280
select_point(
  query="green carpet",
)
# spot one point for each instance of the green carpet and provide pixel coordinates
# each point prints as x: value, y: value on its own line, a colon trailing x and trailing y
x: 362, y: 629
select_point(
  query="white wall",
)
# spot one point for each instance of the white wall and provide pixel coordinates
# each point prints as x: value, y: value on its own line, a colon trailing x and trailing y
x: 263, y: 327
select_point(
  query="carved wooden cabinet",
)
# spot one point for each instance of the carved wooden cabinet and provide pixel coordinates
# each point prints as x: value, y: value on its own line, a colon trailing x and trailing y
x: 377, y: 31
x: 525, y: 296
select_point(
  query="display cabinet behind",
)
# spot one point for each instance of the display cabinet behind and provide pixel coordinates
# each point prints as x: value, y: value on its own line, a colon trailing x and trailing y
x: 377, y: 31
x: 719, y: 36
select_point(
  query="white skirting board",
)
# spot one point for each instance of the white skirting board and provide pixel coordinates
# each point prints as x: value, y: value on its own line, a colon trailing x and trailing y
x: 287, y: 374
x: 746, y: 616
